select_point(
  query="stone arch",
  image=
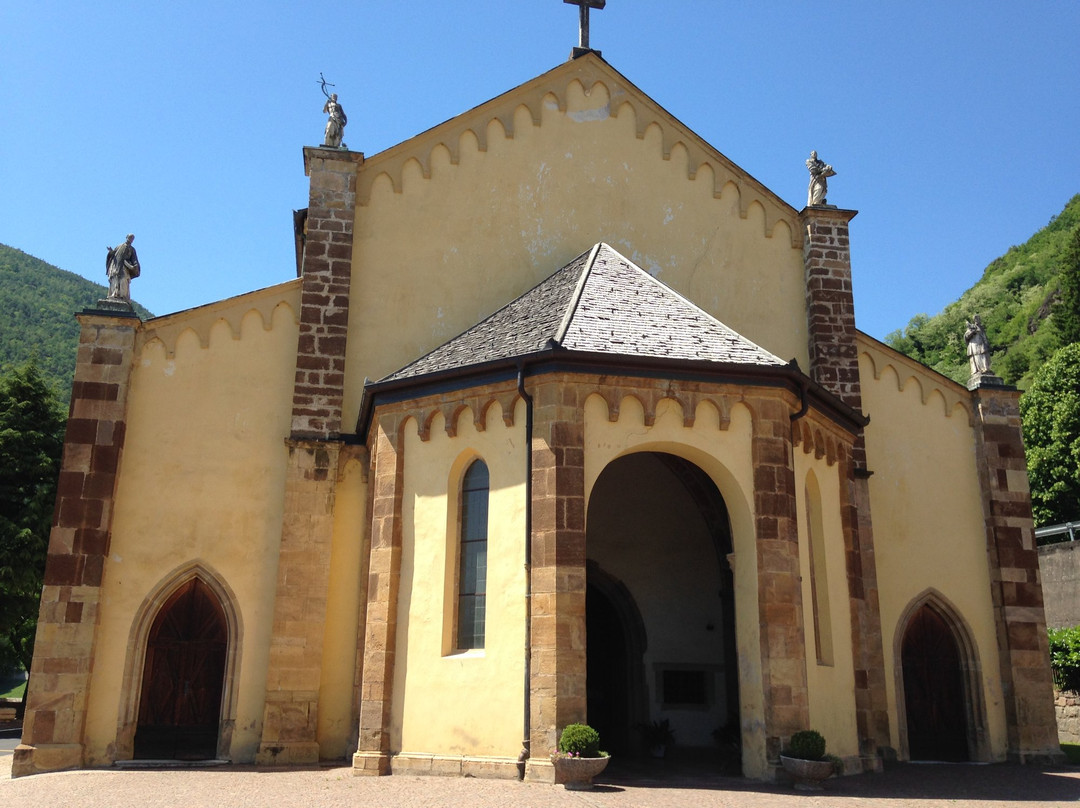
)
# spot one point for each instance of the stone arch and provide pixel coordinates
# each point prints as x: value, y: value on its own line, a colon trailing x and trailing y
x: 970, y: 667
x: 145, y: 615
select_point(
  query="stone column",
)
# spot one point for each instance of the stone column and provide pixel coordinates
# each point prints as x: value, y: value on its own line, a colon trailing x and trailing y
x: 78, y: 546
x: 783, y: 641
x: 834, y: 364
x: 384, y: 580
x: 290, y: 715
x: 1014, y: 577
x: 558, y: 667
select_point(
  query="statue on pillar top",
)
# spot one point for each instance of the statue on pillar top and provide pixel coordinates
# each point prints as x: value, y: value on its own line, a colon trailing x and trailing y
x: 121, y: 265
x: 820, y: 171
x: 335, y: 123
x: 978, y: 353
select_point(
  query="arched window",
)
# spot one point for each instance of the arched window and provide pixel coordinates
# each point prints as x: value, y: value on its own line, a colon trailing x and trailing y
x: 472, y: 569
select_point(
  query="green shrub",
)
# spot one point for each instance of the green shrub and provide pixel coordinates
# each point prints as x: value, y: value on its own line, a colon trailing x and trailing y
x: 1065, y: 657
x: 580, y: 740
x: 806, y: 745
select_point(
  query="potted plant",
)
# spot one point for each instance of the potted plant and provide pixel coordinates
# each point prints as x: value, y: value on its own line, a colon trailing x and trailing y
x: 806, y: 762
x: 578, y: 759
x: 658, y: 737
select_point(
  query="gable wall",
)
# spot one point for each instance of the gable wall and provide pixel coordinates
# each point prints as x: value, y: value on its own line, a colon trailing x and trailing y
x: 200, y: 480
x: 929, y: 528
x: 484, y: 213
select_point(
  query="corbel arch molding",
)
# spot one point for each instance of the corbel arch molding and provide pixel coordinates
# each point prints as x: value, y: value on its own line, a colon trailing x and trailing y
x: 478, y: 403
x: 970, y: 667
x: 131, y: 689
x: 168, y: 330
x: 554, y: 89
x: 689, y: 401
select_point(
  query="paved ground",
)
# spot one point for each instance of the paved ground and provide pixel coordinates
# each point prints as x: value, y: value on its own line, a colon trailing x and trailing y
x: 902, y: 786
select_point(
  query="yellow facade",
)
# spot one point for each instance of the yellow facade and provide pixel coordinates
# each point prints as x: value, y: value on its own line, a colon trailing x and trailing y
x: 337, y: 574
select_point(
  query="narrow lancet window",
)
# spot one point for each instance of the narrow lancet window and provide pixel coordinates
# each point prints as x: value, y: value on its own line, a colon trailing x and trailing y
x: 472, y: 573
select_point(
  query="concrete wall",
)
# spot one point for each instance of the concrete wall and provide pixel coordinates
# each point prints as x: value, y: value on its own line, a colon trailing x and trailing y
x: 1060, y: 568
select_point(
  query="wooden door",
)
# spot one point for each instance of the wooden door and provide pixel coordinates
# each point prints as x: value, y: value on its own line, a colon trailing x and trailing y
x: 933, y: 690
x: 183, y: 676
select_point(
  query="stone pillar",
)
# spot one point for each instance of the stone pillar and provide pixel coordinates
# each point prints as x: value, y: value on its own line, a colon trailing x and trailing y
x: 327, y: 275
x: 830, y: 307
x: 557, y: 674
x: 78, y: 546
x: 384, y: 580
x: 290, y: 715
x: 1014, y: 577
x: 783, y: 641
x: 834, y: 364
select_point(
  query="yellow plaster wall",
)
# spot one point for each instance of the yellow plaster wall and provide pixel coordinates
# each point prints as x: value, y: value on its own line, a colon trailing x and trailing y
x: 725, y: 455
x: 440, y: 246
x: 831, y: 687
x: 447, y: 702
x: 929, y: 529
x: 201, y: 479
x: 338, y: 720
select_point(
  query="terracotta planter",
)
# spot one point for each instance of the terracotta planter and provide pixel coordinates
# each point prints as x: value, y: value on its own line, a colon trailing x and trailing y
x: 576, y: 774
x: 807, y: 775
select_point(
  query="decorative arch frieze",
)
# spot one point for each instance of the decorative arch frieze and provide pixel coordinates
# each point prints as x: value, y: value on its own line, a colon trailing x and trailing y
x: 131, y: 689
x: 886, y: 364
x: 557, y: 85
x: 266, y: 303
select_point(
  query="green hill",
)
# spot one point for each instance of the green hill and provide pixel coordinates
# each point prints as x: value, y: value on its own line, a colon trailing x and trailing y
x: 1013, y: 297
x: 39, y: 302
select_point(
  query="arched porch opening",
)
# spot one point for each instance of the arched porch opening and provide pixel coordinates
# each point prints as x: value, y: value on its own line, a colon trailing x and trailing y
x: 660, y: 610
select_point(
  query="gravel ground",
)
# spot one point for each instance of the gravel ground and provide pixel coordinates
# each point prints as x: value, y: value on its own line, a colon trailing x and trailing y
x: 901, y: 786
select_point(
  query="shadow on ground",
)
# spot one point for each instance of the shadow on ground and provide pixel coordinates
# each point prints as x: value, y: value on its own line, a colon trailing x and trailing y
x: 941, y: 782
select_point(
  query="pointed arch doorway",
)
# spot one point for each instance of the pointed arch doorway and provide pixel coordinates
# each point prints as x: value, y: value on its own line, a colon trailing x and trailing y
x: 183, y: 677
x: 660, y: 616
x: 935, y: 698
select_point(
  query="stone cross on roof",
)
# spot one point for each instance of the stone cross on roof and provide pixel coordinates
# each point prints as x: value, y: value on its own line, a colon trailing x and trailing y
x: 583, y: 7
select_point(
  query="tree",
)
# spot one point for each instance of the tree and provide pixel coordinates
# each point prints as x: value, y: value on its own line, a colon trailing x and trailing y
x: 31, y: 441
x: 1050, y: 416
x: 1066, y: 310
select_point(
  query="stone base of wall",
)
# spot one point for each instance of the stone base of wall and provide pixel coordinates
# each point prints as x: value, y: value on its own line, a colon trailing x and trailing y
x: 287, y: 753
x: 496, y: 768
x: 374, y: 764
x: 51, y: 757
x: 1067, y: 707
x: 539, y: 770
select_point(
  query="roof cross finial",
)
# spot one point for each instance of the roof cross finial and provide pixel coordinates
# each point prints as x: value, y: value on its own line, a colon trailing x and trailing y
x: 583, y: 35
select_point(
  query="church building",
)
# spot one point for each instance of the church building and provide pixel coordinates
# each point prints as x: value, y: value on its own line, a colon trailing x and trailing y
x: 565, y: 418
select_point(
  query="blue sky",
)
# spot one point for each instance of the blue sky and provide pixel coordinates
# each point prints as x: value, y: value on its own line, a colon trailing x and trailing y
x: 953, y: 125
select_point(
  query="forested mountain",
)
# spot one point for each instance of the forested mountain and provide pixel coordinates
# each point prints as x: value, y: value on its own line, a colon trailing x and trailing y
x: 38, y: 303
x: 1014, y: 297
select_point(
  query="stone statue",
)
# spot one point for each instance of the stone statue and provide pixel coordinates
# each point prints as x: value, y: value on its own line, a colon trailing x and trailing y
x: 121, y: 265
x: 978, y: 347
x: 819, y: 171
x: 335, y: 124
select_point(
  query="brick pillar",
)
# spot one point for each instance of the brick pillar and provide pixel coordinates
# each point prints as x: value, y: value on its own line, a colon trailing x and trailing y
x: 557, y: 672
x: 384, y: 580
x: 290, y: 715
x: 327, y: 274
x: 834, y: 364
x: 78, y: 546
x: 830, y: 307
x: 1014, y: 578
x: 783, y: 641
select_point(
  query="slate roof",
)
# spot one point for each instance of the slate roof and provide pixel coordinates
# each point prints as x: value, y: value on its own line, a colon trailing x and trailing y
x: 599, y: 303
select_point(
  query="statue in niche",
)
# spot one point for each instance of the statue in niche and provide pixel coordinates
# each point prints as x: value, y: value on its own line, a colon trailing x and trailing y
x: 335, y: 124
x: 820, y: 171
x: 121, y: 265
x: 978, y: 347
